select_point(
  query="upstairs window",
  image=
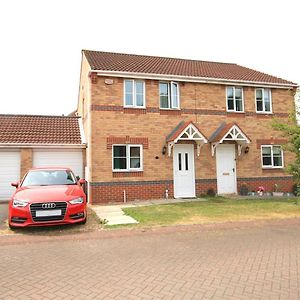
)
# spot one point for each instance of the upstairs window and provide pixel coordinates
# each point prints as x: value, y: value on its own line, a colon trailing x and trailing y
x: 127, y: 158
x: 272, y: 156
x: 263, y: 100
x: 235, y: 101
x: 169, y: 95
x: 134, y: 93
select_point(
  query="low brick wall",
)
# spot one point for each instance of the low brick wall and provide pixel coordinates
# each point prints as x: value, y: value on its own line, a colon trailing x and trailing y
x: 285, y: 183
x: 106, y: 192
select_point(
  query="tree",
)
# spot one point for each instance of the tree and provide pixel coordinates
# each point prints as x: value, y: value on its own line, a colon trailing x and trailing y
x: 291, y: 131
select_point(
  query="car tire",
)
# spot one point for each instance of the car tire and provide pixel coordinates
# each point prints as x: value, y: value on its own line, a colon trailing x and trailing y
x: 83, y: 222
x: 11, y: 226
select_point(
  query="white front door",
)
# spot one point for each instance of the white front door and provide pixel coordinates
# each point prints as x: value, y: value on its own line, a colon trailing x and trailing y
x: 226, y: 169
x: 184, y: 171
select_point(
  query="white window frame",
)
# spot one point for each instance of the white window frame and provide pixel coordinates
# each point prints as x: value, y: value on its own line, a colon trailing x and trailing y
x: 170, y: 95
x: 271, y: 166
x: 234, y: 102
x: 263, y: 100
x: 128, y: 146
x: 134, y: 93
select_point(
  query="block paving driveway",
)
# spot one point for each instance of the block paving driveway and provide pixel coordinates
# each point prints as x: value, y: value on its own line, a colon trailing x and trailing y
x: 256, y: 262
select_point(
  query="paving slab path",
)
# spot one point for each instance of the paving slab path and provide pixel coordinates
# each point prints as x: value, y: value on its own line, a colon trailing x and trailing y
x: 112, y: 215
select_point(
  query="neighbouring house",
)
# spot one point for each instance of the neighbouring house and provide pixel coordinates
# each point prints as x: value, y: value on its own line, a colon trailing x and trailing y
x: 37, y: 141
x: 163, y: 127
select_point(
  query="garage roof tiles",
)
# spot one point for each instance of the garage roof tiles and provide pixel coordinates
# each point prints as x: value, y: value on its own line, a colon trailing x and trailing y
x: 35, y: 129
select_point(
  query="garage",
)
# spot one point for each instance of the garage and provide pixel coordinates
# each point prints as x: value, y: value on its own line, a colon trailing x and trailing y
x: 71, y: 158
x: 9, y: 172
x: 28, y: 141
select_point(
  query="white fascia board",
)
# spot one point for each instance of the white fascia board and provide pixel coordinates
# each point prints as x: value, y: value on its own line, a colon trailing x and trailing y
x: 82, y: 135
x: 192, y: 79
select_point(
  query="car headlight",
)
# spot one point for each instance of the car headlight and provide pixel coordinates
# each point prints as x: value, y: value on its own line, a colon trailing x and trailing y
x: 76, y: 201
x: 19, y: 203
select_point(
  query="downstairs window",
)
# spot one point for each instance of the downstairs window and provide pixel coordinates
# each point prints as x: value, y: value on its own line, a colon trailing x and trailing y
x: 127, y: 158
x: 272, y: 156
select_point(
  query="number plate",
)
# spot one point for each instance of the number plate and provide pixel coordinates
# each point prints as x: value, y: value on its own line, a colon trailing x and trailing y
x: 48, y: 213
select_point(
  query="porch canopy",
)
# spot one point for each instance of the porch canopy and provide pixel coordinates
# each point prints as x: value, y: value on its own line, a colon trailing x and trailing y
x: 230, y: 132
x: 186, y: 131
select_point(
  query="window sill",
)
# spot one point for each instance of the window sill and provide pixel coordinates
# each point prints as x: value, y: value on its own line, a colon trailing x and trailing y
x: 272, y: 168
x: 135, y: 107
x: 235, y: 112
x: 264, y: 113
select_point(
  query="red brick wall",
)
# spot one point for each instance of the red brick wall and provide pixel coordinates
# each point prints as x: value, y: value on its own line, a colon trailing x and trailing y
x: 285, y: 184
x: 205, y: 105
x: 114, y: 192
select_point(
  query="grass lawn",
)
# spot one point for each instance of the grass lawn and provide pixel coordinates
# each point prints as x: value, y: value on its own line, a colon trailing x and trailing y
x: 214, y: 210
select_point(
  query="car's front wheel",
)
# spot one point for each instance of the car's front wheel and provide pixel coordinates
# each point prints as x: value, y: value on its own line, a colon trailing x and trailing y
x: 83, y: 221
x: 11, y: 226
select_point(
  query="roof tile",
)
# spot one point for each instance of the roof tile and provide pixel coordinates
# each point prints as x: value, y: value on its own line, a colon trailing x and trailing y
x: 119, y: 62
x: 33, y: 129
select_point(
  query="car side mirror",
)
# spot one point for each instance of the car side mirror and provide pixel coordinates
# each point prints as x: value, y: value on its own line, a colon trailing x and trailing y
x: 15, y: 184
x: 82, y: 181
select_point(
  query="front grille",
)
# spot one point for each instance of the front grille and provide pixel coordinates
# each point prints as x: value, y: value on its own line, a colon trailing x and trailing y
x: 38, y: 206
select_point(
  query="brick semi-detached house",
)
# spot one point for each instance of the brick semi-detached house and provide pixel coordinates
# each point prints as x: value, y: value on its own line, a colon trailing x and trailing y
x: 160, y: 127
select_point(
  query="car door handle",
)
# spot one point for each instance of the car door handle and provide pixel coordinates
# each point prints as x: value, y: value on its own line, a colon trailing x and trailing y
x: 233, y: 169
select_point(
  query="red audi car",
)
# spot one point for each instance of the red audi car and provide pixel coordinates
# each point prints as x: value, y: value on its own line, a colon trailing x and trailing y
x: 48, y: 196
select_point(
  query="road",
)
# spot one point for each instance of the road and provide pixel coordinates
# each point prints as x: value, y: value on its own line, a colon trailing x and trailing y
x: 256, y: 262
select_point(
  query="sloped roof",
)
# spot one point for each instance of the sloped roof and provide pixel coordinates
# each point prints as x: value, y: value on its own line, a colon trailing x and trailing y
x: 176, y: 131
x: 119, y: 62
x: 34, y: 129
x: 222, y: 130
x: 173, y: 135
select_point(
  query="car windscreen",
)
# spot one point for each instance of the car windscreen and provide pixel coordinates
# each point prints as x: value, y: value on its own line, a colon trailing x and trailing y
x: 49, y: 177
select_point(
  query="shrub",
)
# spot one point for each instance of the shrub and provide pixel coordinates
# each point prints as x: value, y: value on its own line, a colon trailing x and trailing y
x: 211, y: 192
x: 244, y: 189
x: 296, y: 189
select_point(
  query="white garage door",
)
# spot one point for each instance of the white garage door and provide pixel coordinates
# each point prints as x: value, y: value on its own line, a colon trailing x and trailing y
x: 59, y: 158
x: 9, y: 172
